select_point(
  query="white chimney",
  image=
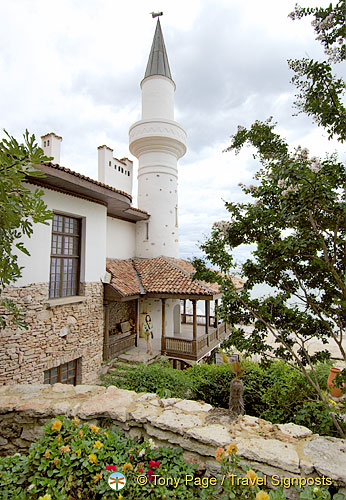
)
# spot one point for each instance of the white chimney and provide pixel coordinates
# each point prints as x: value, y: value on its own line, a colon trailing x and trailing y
x: 113, y: 172
x: 51, y: 144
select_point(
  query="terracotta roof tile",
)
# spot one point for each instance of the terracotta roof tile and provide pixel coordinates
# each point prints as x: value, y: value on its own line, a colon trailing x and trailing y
x: 159, y: 275
x: 123, y: 277
x: 188, y: 267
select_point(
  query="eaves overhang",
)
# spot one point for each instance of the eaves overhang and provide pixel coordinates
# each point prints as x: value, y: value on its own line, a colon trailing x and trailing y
x: 62, y: 179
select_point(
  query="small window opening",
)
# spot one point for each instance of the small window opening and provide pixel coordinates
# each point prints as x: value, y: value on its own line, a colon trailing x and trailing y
x: 147, y: 231
x: 128, y: 173
x: 48, y: 142
x: 110, y: 163
x: 44, y: 143
x: 119, y: 169
x: 122, y: 170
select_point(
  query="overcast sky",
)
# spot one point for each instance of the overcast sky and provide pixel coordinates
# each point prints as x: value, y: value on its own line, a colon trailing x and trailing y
x: 73, y: 67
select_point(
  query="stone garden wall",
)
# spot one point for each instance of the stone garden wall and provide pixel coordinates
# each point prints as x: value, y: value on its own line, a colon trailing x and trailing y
x: 283, y: 450
x: 57, y: 333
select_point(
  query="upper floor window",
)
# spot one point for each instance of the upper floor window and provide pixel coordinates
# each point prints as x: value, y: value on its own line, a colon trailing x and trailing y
x: 65, y: 257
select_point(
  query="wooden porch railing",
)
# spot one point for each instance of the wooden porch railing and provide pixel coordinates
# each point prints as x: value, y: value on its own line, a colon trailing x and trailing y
x: 188, y: 319
x: 194, y: 349
x: 118, y: 344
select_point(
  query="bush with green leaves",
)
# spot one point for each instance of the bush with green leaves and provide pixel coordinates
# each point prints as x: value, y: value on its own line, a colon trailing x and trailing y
x: 70, y: 460
x: 20, y: 208
x: 73, y: 461
x: 159, y: 378
x: 275, y: 391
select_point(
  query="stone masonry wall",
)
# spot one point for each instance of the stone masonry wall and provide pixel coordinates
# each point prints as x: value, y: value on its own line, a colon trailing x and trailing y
x: 121, y: 311
x: 285, y: 450
x: 57, y: 334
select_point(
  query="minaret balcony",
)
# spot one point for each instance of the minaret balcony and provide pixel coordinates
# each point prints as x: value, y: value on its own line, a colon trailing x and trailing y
x: 147, y: 135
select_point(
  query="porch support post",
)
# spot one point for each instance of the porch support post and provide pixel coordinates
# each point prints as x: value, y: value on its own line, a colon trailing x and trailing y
x: 216, y: 323
x: 194, y: 327
x: 136, y: 321
x: 207, y: 316
x: 106, y: 333
x: 163, y: 340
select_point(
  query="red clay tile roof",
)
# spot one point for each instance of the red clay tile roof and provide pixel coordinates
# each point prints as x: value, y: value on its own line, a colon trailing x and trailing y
x: 159, y: 275
x: 187, y: 266
x: 123, y: 277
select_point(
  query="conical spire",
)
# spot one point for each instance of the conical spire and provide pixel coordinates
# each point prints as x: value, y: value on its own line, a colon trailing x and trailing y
x: 158, y: 60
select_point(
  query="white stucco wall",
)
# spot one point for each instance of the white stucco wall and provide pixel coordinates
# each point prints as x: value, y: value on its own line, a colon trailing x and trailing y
x: 157, y: 97
x: 158, y: 142
x: 121, y: 239
x: 153, y: 307
x: 113, y: 172
x: 93, y: 244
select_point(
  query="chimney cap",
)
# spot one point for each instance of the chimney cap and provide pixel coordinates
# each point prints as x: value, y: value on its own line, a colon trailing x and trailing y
x: 51, y: 133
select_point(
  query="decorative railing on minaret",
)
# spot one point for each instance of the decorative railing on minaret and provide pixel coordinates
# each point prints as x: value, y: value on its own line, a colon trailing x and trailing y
x: 158, y: 142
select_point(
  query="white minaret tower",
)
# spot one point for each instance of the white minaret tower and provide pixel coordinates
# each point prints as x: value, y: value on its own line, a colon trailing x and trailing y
x: 158, y: 142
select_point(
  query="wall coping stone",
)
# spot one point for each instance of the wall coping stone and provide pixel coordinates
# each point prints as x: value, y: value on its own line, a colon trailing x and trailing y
x: 287, y: 449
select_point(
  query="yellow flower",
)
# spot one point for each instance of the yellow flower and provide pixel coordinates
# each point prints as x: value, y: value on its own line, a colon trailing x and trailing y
x: 127, y: 467
x: 98, y: 445
x: 76, y: 421
x: 94, y: 428
x: 56, y: 461
x: 232, y: 449
x: 93, y: 458
x: 65, y: 449
x: 56, y: 425
x: 80, y: 434
x: 45, y: 497
x: 78, y: 452
x: 252, y: 477
x: 331, y: 402
x: 46, y: 453
x: 97, y: 477
x: 120, y: 497
x: 220, y: 454
x: 262, y: 495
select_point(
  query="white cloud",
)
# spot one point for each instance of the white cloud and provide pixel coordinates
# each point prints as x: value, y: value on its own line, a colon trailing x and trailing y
x: 74, y: 67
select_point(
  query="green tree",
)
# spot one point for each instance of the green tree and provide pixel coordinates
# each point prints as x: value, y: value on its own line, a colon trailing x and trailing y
x: 296, y: 218
x: 20, y: 208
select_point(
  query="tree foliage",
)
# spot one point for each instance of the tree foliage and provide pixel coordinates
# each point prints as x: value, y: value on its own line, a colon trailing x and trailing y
x: 320, y: 91
x: 296, y: 219
x: 20, y: 208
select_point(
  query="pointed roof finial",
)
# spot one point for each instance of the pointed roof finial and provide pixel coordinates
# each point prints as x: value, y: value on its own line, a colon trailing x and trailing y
x: 158, y: 60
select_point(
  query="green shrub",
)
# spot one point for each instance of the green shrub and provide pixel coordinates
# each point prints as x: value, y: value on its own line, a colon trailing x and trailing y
x: 14, y: 472
x: 159, y: 378
x: 69, y: 462
x: 210, y: 383
x: 276, y: 392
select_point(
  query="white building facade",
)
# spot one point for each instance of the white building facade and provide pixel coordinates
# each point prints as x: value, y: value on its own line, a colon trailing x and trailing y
x: 101, y: 265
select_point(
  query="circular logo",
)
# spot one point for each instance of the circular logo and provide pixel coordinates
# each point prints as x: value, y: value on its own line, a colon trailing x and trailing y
x: 117, y: 481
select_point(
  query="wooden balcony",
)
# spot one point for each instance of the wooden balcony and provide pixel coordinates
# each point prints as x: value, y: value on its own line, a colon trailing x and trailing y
x: 194, y: 349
